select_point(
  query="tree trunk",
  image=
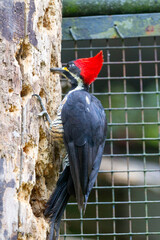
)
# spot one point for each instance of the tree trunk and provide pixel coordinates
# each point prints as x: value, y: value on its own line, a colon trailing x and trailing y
x: 29, y: 161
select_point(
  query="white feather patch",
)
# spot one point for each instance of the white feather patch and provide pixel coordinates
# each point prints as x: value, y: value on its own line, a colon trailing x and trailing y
x: 87, y: 100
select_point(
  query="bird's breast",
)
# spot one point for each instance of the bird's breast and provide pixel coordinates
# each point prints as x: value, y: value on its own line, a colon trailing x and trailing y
x: 57, y: 126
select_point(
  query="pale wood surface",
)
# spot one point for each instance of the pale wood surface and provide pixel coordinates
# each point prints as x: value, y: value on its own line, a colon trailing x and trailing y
x: 30, y: 44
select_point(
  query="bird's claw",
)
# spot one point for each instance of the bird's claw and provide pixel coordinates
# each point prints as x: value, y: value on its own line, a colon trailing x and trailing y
x: 65, y: 161
x: 44, y: 112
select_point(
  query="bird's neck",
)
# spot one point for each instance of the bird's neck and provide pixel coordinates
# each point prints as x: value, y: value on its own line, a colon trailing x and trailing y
x: 80, y: 85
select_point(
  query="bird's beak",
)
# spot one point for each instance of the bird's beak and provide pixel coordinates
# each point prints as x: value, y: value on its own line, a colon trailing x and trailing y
x: 61, y: 71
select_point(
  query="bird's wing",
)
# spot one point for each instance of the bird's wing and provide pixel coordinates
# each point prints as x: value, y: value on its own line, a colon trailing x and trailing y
x: 84, y: 124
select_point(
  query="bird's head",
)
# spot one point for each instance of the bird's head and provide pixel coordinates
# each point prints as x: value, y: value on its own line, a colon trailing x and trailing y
x: 83, y: 71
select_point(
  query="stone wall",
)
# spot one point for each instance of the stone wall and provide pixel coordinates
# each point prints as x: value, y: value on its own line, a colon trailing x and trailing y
x: 30, y: 42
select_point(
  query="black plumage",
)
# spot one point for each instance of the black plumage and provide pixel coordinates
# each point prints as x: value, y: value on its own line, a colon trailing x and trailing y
x: 84, y: 124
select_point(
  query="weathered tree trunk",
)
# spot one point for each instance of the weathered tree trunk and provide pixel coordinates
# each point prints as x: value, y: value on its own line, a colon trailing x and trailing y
x: 30, y: 44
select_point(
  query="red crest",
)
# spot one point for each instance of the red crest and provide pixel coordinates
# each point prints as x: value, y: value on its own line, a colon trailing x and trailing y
x: 90, y: 67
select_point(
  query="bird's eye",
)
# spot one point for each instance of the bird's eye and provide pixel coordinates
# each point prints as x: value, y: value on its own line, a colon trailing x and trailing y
x: 71, y: 65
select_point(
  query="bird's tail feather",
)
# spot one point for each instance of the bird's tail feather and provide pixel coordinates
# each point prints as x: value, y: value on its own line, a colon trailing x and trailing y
x: 57, y: 203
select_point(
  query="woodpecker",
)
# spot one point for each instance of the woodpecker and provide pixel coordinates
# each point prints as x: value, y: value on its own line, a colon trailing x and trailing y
x: 81, y: 122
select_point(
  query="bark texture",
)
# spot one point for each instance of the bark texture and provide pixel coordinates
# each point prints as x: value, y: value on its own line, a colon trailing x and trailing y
x: 29, y: 160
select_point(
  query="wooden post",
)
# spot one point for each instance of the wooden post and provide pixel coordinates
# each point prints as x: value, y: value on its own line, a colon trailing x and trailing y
x: 30, y: 44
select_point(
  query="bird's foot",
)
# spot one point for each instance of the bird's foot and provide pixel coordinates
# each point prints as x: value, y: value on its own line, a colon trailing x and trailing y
x: 65, y: 161
x: 44, y: 112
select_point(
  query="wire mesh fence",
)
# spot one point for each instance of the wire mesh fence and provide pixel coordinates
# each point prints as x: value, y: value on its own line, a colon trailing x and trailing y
x: 125, y: 201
